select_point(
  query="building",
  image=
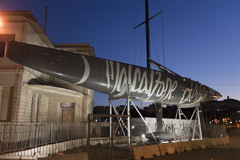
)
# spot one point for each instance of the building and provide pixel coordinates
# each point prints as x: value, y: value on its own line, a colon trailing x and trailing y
x: 226, y: 111
x: 27, y: 95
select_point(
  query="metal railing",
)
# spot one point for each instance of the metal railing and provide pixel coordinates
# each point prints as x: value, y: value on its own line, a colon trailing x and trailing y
x: 22, y: 136
x: 108, y: 137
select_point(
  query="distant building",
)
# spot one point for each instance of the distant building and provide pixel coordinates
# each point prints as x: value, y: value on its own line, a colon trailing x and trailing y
x: 27, y: 95
x: 168, y: 111
x: 119, y: 109
x: 101, y: 110
x: 151, y: 112
x: 226, y: 111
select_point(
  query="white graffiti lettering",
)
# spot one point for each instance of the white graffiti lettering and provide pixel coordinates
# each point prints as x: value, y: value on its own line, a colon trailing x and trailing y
x: 139, y: 81
x: 194, y: 94
x: 86, y: 71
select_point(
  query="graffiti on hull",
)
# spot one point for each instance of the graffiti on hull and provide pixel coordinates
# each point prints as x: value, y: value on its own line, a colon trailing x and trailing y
x: 111, y: 77
x: 143, y: 82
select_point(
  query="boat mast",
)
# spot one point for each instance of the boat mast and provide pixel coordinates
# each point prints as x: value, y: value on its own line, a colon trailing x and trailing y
x: 147, y: 34
x: 147, y: 30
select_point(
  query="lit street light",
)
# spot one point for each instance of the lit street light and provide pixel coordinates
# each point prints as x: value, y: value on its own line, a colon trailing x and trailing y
x: 1, y: 23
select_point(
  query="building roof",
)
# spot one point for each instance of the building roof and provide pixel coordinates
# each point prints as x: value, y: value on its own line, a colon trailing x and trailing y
x: 26, y: 16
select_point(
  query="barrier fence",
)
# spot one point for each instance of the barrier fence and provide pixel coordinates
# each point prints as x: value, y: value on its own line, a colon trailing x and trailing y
x: 108, y: 137
x: 180, y: 131
x: 22, y: 136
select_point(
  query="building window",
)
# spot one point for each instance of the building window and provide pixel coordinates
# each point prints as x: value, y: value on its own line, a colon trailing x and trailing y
x: 67, y: 112
x: 6, y: 101
x: 3, y: 39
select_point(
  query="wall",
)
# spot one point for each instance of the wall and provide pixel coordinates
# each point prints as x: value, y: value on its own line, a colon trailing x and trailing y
x: 31, y: 104
x: 180, y: 129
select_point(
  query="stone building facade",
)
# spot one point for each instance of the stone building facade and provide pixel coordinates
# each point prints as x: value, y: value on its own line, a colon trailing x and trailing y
x: 27, y: 95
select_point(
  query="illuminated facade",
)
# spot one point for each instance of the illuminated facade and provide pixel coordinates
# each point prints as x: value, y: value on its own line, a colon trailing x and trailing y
x: 27, y: 95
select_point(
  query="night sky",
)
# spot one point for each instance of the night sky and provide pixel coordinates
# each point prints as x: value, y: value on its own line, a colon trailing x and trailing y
x: 201, y: 37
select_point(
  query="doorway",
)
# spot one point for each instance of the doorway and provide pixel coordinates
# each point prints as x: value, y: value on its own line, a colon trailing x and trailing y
x: 67, y: 112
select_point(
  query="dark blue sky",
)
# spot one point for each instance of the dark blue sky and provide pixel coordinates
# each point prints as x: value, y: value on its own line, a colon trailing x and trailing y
x: 201, y: 37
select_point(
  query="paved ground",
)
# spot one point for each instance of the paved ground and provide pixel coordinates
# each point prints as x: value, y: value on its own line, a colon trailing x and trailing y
x: 229, y: 152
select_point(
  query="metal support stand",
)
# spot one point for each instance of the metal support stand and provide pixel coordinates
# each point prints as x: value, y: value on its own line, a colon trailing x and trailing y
x: 144, y: 121
x: 110, y: 123
x: 128, y: 121
x: 197, y: 123
x: 128, y: 106
x: 194, y: 117
x: 178, y: 116
x: 120, y: 121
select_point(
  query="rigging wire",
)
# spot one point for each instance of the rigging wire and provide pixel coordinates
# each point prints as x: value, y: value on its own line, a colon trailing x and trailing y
x: 137, y: 12
x: 141, y: 51
x: 134, y: 47
x: 155, y: 47
x: 163, y: 43
x: 134, y: 36
x: 158, y: 3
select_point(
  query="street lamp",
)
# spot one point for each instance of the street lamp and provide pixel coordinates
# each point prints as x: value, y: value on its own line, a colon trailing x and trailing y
x: 1, y: 23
